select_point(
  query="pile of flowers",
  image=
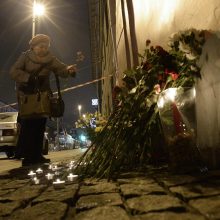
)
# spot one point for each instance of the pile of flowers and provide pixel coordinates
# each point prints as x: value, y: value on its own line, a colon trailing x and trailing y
x: 132, y: 136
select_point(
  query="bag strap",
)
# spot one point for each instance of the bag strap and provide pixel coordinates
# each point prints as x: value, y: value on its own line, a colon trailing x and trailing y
x: 37, y: 80
x: 58, y: 86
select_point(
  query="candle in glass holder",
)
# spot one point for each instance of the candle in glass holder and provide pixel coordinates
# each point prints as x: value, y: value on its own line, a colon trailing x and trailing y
x: 72, y: 162
x: 49, y: 176
x: 72, y: 177
x: 32, y: 174
x: 39, y: 171
x: 59, y: 184
x: 57, y: 173
x: 71, y: 167
x: 36, y: 180
x: 56, y: 168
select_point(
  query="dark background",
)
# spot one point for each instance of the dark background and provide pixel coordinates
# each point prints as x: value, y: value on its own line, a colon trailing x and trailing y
x: 67, y: 23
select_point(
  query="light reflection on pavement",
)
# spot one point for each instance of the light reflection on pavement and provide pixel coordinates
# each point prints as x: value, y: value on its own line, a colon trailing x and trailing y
x: 64, y: 155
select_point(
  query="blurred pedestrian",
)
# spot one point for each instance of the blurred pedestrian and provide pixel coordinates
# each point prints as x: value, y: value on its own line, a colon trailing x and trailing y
x: 24, y: 73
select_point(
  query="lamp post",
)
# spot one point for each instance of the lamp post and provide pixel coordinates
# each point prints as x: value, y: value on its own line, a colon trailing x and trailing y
x: 38, y: 10
x: 79, y: 108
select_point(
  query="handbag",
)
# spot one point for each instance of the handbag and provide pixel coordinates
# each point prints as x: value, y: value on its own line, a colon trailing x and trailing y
x: 34, y: 105
x: 41, y: 103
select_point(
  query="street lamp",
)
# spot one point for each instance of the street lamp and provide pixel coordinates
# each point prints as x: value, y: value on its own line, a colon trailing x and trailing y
x: 38, y: 10
x: 79, y: 108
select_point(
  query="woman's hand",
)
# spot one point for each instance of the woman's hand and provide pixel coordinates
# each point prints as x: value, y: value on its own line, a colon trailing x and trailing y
x: 72, y: 68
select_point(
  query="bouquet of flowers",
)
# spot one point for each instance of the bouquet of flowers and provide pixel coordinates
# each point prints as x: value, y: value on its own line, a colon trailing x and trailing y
x: 132, y: 136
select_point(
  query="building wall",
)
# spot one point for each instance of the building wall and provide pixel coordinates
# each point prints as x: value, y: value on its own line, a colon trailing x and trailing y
x: 158, y: 19
x: 153, y: 19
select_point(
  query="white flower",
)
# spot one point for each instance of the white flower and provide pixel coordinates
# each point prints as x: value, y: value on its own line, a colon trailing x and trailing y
x: 184, y: 47
x: 191, y: 56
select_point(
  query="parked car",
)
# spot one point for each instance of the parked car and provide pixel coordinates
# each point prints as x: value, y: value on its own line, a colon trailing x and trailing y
x: 66, y: 141
x: 9, y: 130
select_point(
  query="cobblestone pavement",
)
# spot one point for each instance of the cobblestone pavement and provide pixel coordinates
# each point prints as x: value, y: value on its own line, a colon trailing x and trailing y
x: 154, y: 195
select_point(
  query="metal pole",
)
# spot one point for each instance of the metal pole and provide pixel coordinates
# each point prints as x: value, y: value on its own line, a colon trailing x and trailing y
x: 33, y: 19
x: 79, y: 108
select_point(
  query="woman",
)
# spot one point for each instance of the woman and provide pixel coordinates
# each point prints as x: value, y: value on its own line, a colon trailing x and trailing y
x: 24, y: 73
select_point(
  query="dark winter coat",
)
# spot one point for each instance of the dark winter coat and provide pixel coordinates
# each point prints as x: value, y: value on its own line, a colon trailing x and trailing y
x: 27, y: 65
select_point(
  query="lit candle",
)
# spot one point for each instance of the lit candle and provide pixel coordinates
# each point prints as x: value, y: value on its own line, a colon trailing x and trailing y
x: 71, y: 167
x: 72, y: 162
x: 59, y: 184
x: 57, y: 173
x: 55, y: 168
x: 39, y: 171
x: 49, y: 176
x: 72, y: 177
x: 32, y: 174
x: 36, y: 180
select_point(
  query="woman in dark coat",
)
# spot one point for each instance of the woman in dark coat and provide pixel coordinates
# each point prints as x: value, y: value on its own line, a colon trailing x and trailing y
x: 24, y: 73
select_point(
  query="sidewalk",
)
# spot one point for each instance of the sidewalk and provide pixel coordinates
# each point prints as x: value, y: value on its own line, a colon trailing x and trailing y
x: 153, y: 195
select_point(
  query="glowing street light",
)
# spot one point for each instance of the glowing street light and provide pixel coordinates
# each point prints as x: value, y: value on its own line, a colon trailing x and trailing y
x: 38, y: 10
x: 79, y: 108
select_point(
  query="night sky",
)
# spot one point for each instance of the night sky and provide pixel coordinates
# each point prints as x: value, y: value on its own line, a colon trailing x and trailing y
x: 67, y: 23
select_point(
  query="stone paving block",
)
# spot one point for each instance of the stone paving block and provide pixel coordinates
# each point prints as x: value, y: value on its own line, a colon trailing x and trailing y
x: 7, y: 208
x: 25, y: 193
x: 3, y: 192
x: 208, y: 206
x: 4, y: 181
x: 61, y: 195
x: 211, y: 174
x: 174, y: 180
x: 168, y: 216
x: 138, y: 180
x: 91, y: 201
x: 157, y: 171
x: 141, y: 189
x: 42, y: 211
x: 14, y: 184
x: 103, y: 213
x: 148, y: 203
x: 190, y: 191
x: 99, y: 187
x: 93, y: 181
x: 132, y: 174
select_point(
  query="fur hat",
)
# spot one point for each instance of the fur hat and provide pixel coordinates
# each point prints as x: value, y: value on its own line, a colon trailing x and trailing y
x: 39, y: 38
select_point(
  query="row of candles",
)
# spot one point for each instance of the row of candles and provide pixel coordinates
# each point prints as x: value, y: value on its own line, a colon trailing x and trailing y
x: 50, y: 176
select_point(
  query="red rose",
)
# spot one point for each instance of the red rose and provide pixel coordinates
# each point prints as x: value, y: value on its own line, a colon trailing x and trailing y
x: 174, y: 76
